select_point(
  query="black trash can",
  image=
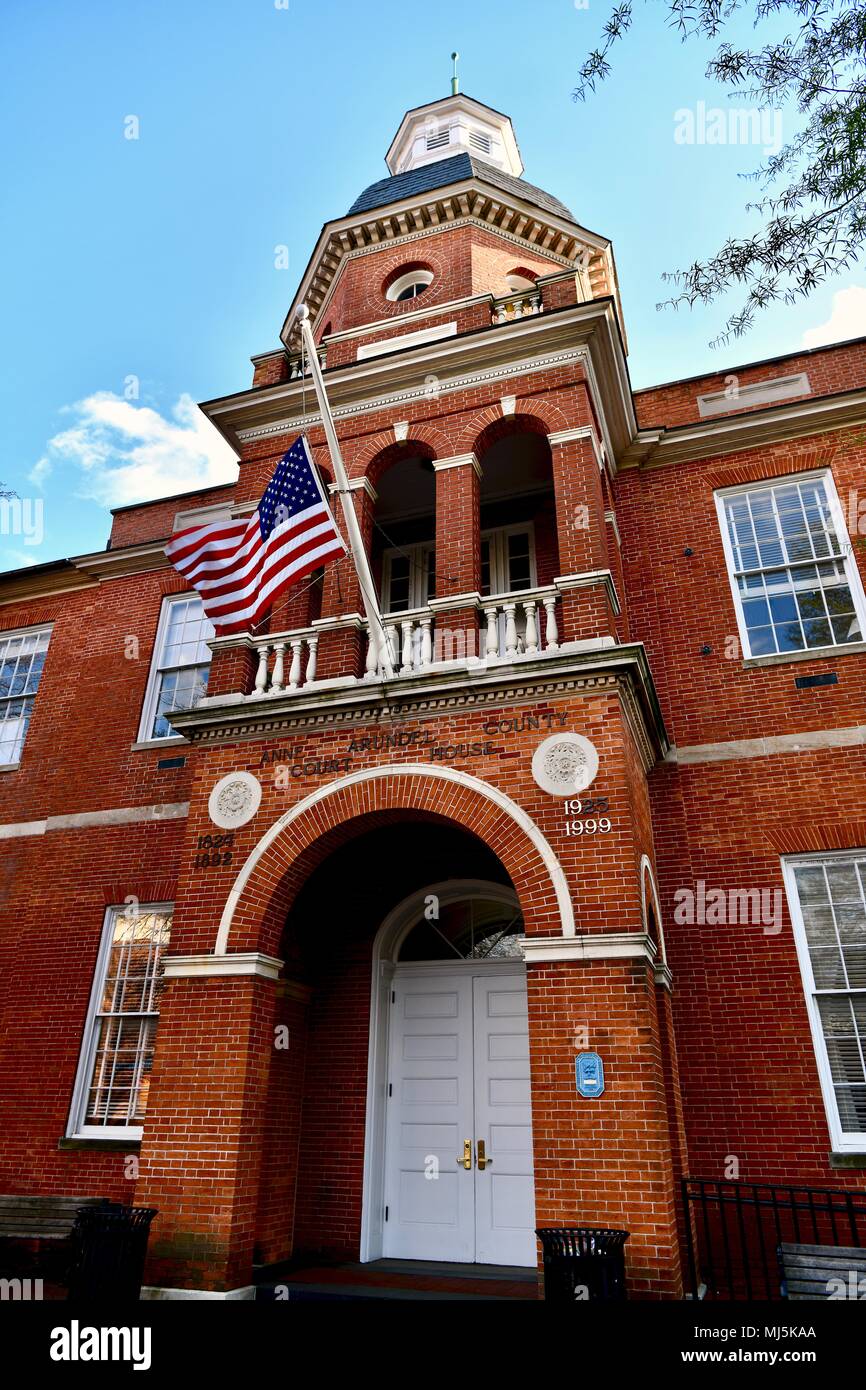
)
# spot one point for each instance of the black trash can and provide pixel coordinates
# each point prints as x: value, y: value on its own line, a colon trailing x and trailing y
x: 583, y: 1263
x: 109, y: 1243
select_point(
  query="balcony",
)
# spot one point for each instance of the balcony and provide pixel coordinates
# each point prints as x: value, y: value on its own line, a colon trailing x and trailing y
x: 450, y: 654
x: 513, y: 626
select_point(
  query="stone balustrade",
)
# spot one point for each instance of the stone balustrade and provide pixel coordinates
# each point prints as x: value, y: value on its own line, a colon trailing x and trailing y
x: 519, y: 624
x: 517, y: 306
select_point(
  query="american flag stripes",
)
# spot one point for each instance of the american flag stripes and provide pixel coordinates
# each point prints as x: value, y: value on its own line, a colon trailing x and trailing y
x: 241, y: 567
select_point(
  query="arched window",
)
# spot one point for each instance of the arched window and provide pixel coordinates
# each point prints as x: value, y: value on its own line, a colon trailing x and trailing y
x: 520, y: 280
x: 479, y: 924
x: 409, y: 284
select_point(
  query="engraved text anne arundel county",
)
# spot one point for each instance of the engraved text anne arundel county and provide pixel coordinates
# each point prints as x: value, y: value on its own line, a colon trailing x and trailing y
x: 404, y: 738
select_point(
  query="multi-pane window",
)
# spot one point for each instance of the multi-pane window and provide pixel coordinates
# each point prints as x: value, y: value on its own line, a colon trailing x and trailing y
x: 181, y: 661
x: 409, y: 577
x: 117, y: 1054
x: 507, y: 560
x: 828, y: 907
x: 795, y: 584
x: 22, y: 656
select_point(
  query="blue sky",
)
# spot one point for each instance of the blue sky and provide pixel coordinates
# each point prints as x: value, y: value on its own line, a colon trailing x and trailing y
x: 139, y: 275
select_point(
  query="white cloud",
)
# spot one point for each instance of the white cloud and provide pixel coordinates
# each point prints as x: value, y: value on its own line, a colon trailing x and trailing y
x: 16, y: 559
x: 847, y: 319
x: 40, y: 471
x: 128, y: 452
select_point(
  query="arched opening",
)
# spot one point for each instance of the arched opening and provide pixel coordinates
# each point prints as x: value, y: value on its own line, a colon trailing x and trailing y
x: 404, y: 521
x: 519, y: 547
x: 520, y: 280
x: 403, y: 959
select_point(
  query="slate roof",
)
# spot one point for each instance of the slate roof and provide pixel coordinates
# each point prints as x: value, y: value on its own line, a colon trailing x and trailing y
x: 454, y: 170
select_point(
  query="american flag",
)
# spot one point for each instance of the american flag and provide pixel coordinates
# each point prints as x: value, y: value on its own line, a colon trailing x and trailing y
x: 241, y: 567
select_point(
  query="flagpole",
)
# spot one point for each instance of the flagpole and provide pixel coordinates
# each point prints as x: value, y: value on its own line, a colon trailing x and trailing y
x: 356, y: 541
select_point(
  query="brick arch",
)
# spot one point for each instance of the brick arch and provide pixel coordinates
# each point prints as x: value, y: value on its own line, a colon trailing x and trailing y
x: 256, y: 907
x: 375, y: 454
x: 394, y: 452
x: 534, y: 415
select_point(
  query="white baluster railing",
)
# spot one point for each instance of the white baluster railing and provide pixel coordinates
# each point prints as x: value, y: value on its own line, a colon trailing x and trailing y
x: 517, y: 306
x: 520, y: 623
x: 410, y: 644
x: 514, y: 625
x: 299, y: 649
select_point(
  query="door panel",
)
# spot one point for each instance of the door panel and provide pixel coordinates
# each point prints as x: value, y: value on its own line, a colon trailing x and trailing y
x: 429, y: 1198
x: 459, y: 1069
x: 505, y: 1190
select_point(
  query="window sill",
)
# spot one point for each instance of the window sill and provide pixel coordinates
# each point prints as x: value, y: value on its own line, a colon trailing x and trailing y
x: 108, y: 1145
x: 814, y: 654
x: 847, y: 1160
x: 147, y: 744
x: 9, y: 767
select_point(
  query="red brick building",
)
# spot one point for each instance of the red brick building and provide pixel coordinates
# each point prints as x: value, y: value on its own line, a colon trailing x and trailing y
x: 304, y: 956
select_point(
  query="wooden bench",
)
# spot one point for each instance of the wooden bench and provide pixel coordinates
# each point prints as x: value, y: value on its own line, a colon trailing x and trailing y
x: 822, y: 1271
x: 38, y: 1219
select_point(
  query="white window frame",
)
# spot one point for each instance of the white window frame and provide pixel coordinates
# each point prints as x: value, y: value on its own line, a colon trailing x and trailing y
x: 842, y: 1141
x: 418, y: 575
x: 497, y: 536
x: 417, y: 276
x: 76, y: 1127
x: 151, y: 693
x: 33, y: 631
x: 845, y: 558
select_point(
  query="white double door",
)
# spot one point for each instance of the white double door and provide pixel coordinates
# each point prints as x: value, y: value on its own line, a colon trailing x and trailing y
x: 459, y: 1074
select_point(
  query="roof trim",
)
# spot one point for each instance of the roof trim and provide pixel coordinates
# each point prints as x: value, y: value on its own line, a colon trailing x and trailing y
x: 346, y: 235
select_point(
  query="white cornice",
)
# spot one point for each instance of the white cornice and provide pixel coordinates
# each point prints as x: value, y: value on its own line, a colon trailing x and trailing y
x: 458, y: 461
x: 356, y: 485
x: 539, y: 950
x: 520, y: 367
x: 572, y: 264
x: 458, y: 204
x: 587, y: 580
x: 131, y: 559
x: 584, y: 333
x: 581, y: 432
x: 208, y: 967
x: 658, y: 447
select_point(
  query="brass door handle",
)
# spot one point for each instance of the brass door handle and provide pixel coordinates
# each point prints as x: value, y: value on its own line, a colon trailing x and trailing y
x: 483, y: 1160
x: 466, y: 1160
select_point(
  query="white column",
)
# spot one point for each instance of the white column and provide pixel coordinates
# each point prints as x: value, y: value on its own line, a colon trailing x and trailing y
x: 406, y: 651
x: 492, y: 638
x: 312, y: 647
x: 426, y: 641
x: 393, y: 641
x: 262, y: 672
x: 295, y: 672
x: 551, y: 634
x: 531, y: 629
x: 510, y: 630
x: 277, y: 677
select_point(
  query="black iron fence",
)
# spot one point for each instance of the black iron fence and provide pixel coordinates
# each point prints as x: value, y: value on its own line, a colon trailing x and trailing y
x: 734, y: 1229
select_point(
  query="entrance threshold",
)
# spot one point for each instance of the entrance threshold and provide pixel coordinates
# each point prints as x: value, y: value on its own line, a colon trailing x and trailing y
x: 419, y: 1280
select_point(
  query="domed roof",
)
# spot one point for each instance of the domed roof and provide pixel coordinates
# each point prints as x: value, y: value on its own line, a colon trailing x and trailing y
x: 455, y: 170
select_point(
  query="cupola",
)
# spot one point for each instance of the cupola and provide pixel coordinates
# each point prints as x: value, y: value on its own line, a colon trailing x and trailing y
x: 455, y: 125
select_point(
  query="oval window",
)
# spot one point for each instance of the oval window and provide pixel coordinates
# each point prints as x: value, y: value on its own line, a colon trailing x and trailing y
x: 409, y: 285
